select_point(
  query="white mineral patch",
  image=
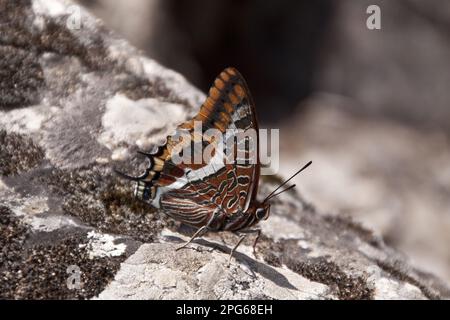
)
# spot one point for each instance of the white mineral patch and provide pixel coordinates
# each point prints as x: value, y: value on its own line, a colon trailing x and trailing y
x: 30, y: 206
x: 120, y: 154
x: 23, y: 120
x: 49, y: 223
x: 102, y: 245
x: 303, y: 244
x: 39, y: 22
x: 49, y: 7
x: 102, y: 160
x: 130, y: 121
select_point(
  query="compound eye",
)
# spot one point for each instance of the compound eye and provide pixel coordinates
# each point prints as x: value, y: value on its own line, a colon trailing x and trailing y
x: 260, y: 213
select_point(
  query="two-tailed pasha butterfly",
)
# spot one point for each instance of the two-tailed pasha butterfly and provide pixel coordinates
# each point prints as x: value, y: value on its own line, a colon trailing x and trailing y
x: 209, y: 197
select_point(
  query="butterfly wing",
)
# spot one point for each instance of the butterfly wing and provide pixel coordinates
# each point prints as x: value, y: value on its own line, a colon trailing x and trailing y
x: 205, y: 192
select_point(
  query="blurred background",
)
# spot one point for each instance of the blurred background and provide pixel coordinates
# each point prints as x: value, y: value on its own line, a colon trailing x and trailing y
x: 370, y: 108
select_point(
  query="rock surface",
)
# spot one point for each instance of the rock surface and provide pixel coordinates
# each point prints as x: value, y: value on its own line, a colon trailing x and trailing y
x: 398, y: 177
x: 76, y: 102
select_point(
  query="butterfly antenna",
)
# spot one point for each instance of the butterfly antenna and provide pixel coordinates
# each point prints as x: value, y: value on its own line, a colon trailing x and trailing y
x: 282, y: 191
x: 284, y: 183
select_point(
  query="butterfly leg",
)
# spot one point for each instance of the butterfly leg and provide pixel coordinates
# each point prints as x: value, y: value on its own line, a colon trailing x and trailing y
x: 198, y: 233
x: 258, y: 234
x: 235, y: 247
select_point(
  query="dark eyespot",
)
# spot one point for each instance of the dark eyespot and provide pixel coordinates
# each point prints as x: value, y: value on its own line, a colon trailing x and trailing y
x: 260, y: 213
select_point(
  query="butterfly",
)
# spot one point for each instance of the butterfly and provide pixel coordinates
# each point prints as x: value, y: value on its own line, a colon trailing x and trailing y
x: 211, y: 196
